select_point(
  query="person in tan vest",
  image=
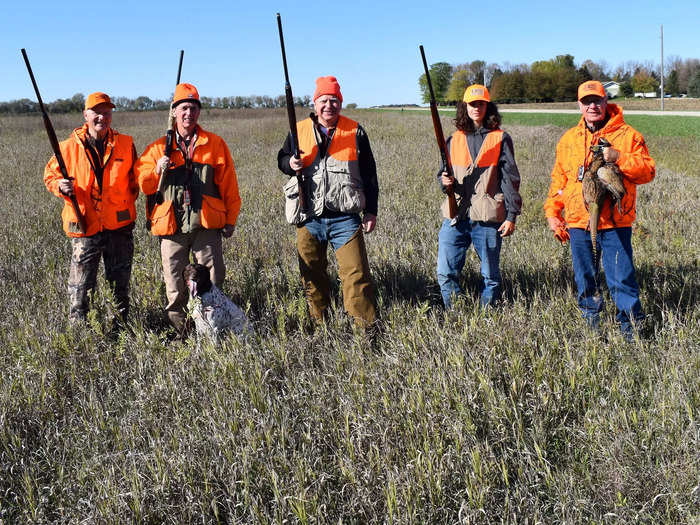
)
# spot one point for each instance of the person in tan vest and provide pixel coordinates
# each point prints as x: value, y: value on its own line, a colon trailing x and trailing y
x: 341, y: 183
x: 99, y: 161
x: 486, y: 184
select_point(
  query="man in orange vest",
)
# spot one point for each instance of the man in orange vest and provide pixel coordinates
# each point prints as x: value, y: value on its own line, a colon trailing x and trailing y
x: 486, y: 185
x: 200, y: 200
x: 99, y: 161
x: 341, y: 182
x: 599, y: 119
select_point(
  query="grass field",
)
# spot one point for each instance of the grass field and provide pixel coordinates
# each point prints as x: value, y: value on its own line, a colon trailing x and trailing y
x: 515, y: 415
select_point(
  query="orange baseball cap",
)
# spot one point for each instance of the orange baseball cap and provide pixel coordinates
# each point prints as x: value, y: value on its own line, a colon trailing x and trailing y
x: 186, y: 93
x: 327, y: 86
x: 97, y: 98
x: 476, y: 92
x: 591, y: 87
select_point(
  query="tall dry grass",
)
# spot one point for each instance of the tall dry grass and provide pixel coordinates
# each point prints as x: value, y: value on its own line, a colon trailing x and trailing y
x: 513, y: 415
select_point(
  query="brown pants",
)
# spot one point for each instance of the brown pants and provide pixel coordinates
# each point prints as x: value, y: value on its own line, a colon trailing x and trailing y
x: 206, y: 248
x: 353, y: 269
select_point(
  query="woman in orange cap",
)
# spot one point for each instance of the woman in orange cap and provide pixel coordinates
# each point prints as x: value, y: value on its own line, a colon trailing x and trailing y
x: 485, y: 183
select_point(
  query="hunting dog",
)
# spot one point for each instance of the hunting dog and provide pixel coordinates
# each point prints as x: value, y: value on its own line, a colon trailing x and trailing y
x: 214, y: 314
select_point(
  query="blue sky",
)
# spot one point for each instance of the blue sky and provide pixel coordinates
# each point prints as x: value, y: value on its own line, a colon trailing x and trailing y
x: 232, y: 48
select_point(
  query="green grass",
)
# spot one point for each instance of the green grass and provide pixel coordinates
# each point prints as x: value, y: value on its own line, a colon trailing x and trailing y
x: 513, y: 415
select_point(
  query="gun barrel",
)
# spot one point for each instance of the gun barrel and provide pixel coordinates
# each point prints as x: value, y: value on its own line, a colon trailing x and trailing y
x: 53, y: 140
x: 440, y: 138
x: 291, y: 116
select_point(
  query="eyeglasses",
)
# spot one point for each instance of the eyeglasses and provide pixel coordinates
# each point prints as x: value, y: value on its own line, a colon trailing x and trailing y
x: 596, y: 102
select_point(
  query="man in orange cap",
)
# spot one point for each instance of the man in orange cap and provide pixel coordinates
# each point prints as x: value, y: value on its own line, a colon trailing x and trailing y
x: 200, y: 200
x: 600, y: 119
x: 341, y: 183
x: 99, y: 161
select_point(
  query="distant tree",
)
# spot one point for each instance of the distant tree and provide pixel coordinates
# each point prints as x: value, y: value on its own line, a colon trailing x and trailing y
x: 672, y: 85
x: 694, y: 85
x: 644, y: 82
x: 78, y: 101
x: 143, y: 104
x: 626, y: 89
x: 352, y: 105
x: 459, y: 82
x: 597, y: 70
x: 509, y: 86
x: 440, y: 75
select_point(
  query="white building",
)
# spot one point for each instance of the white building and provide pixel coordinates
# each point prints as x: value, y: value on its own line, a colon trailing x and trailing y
x: 612, y: 88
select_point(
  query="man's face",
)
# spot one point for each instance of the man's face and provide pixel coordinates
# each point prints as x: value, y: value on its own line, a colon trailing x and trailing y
x: 186, y: 116
x: 593, y: 108
x: 98, y: 119
x: 327, y: 108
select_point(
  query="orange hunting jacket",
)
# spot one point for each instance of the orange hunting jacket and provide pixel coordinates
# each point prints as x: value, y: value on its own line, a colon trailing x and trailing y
x: 214, y: 201
x: 109, y: 209
x: 573, y: 151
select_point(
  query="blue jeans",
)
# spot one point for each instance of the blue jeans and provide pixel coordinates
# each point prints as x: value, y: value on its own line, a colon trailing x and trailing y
x: 336, y: 230
x: 453, y: 242
x: 615, y: 247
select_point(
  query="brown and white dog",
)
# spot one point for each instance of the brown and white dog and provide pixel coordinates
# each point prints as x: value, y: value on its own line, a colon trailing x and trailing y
x: 214, y: 314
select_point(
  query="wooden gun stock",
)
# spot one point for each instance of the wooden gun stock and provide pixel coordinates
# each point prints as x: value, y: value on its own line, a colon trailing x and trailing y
x: 439, y: 135
x: 54, y: 145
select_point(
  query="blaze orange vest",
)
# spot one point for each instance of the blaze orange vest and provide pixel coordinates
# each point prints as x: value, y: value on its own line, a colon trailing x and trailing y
x: 476, y: 182
x: 333, y: 181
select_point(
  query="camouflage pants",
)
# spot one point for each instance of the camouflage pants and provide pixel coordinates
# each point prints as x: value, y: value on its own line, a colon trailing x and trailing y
x: 116, y: 247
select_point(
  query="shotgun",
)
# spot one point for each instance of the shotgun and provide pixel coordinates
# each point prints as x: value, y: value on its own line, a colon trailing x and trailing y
x: 169, y: 141
x: 291, y: 116
x: 54, y: 146
x: 437, y: 125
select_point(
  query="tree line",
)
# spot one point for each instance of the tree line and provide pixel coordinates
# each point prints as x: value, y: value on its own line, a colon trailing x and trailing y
x: 557, y: 79
x: 77, y: 103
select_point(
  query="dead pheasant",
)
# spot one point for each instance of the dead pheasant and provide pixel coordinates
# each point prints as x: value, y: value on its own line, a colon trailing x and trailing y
x: 600, y: 181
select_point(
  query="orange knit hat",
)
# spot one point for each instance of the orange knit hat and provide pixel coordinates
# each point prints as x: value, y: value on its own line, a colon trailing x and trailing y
x: 327, y: 86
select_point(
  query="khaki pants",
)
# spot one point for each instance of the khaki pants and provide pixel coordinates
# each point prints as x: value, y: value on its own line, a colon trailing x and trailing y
x: 353, y: 268
x: 206, y: 248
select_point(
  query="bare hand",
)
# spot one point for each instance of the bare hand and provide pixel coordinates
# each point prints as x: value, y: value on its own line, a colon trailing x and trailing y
x: 296, y: 163
x: 369, y: 221
x: 65, y: 186
x: 227, y: 230
x: 610, y: 154
x: 507, y: 228
x: 162, y: 164
x: 447, y: 181
x: 555, y: 223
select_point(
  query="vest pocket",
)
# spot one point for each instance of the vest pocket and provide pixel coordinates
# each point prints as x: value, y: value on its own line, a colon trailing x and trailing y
x: 163, y: 219
x: 292, y: 208
x: 343, y: 194
x: 485, y: 208
x: 213, y: 213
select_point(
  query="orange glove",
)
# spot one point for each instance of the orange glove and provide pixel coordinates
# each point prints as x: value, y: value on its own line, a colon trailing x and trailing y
x: 562, y: 235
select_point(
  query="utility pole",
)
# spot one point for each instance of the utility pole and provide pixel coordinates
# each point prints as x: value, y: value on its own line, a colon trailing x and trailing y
x: 662, y: 67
